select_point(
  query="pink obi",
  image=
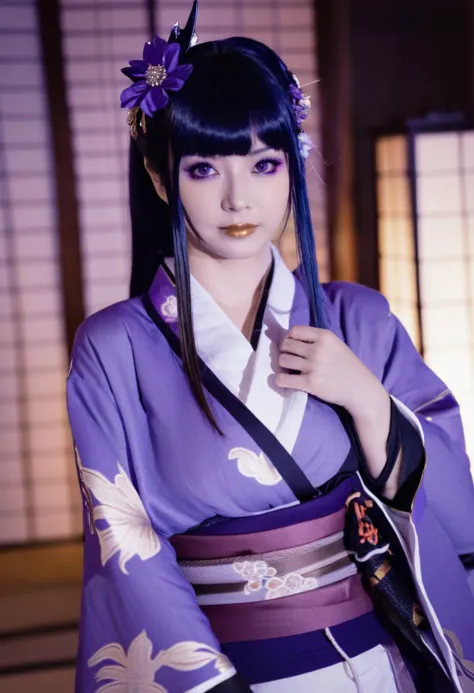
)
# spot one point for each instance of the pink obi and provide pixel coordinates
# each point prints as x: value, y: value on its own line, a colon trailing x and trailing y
x: 274, y: 583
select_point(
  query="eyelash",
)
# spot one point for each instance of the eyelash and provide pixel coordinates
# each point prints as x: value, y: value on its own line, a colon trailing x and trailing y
x: 276, y: 163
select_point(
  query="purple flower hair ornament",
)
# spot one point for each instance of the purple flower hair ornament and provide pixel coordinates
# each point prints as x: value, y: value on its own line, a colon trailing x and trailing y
x: 154, y: 76
x: 301, y: 103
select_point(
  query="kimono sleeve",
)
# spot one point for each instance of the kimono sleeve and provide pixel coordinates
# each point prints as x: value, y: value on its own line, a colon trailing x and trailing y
x: 141, y: 628
x: 430, y: 405
x: 363, y: 318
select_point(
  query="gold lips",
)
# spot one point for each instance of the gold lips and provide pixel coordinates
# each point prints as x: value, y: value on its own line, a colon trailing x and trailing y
x: 239, y: 230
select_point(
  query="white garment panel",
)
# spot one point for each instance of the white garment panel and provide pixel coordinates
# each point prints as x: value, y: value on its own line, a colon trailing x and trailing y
x: 249, y: 374
x: 373, y: 667
x: 212, y: 683
x: 412, y: 418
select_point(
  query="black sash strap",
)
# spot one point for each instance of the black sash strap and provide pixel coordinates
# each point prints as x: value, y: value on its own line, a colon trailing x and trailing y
x: 265, y: 439
x: 257, y: 327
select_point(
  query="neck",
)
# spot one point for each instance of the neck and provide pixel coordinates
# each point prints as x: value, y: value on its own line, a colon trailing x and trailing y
x: 236, y: 285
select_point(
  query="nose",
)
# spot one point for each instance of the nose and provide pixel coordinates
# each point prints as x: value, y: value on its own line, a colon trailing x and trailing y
x: 235, y: 197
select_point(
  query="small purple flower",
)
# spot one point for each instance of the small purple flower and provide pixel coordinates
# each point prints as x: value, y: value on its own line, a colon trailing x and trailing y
x: 301, y: 103
x: 305, y: 144
x: 295, y: 92
x: 153, y: 76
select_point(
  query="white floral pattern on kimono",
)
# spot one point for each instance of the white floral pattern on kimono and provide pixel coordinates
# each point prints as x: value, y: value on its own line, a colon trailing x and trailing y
x: 255, y: 466
x: 464, y: 667
x: 169, y: 309
x: 136, y: 670
x: 129, y: 532
x: 293, y: 583
x: 255, y: 572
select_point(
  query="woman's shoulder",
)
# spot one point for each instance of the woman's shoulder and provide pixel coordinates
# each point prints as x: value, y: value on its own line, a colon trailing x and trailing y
x: 356, y: 303
x: 111, y: 321
x: 109, y: 329
x: 361, y: 317
x: 345, y: 294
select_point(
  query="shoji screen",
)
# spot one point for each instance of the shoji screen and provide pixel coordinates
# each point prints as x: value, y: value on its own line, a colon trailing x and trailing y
x: 445, y: 223
x: 98, y: 40
x: 37, y: 487
x: 429, y: 205
x: 396, y: 239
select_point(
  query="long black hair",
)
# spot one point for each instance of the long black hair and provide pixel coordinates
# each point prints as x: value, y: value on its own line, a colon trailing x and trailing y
x: 238, y: 90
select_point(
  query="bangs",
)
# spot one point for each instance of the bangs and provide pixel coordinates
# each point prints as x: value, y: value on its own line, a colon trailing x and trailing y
x: 228, y: 102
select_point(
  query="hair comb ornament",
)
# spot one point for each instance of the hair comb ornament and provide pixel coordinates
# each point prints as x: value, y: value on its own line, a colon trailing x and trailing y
x: 301, y: 104
x: 300, y: 101
x: 158, y: 73
x: 187, y: 37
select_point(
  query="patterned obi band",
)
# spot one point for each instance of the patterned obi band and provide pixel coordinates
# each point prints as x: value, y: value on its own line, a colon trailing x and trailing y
x: 283, y: 573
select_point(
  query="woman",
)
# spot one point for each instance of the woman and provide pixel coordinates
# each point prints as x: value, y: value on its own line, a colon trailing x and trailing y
x: 251, y: 466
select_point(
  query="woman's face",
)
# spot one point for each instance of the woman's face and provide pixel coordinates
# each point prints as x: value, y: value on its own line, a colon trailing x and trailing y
x: 235, y: 205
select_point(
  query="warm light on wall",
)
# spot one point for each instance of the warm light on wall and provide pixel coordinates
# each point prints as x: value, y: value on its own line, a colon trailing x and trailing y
x: 397, y: 265
x: 440, y: 220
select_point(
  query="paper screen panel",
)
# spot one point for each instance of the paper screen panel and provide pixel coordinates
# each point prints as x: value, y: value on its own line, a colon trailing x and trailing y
x: 396, y: 243
x: 38, y: 498
x: 445, y: 206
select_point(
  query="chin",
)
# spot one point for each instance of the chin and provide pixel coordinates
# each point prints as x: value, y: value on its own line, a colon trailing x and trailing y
x: 241, y: 248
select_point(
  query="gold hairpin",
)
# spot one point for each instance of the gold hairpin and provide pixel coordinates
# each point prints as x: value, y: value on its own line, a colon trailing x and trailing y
x: 133, y: 124
x: 308, y: 84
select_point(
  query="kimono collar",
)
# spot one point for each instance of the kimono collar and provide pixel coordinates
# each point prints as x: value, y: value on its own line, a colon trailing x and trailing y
x: 248, y: 374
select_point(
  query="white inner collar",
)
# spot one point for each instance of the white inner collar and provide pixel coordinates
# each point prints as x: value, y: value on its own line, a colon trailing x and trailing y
x: 250, y: 374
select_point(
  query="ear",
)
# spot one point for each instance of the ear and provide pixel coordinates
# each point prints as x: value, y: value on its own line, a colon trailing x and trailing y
x: 156, y: 180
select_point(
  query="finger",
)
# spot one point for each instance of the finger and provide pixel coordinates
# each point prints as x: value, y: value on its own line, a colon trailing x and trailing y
x: 294, y: 363
x: 305, y: 333
x: 289, y: 380
x: 294, y: 346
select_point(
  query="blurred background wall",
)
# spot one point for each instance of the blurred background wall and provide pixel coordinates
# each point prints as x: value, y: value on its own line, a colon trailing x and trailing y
x: 392, y: 194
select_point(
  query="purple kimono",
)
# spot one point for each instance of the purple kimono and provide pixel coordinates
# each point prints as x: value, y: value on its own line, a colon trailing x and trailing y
x: 151, y: 468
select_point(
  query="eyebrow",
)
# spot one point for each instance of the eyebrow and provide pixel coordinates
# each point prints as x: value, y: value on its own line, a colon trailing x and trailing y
x: 260, y: 151
x: 252, y: 152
